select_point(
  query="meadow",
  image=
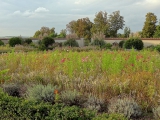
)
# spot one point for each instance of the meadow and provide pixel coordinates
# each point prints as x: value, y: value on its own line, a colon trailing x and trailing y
x: 103, y: 74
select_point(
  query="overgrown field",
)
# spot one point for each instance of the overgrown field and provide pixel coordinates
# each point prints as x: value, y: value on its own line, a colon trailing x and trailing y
x: 104, y: 74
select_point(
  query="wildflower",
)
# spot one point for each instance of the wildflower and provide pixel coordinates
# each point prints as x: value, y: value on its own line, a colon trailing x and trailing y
x: 55, y: 91
x: 63, y: 60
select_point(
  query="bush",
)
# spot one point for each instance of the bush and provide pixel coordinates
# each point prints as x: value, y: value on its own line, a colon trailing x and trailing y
x: 1, y: 43
x: 135, y: 43
x: 71, y: 98
x: 100, y: 43
x: 93, y: 103
x: 12, y: 89
x: 126, y: 106
x: 28, y: 41
x: 121, y: 43
x: 42, y: 93
x: 47, y: 41
x: 13, y: 108
x: 156, y: 112
x: 71, y: 43
x: 61, y: 112
x: 15, y: 41
x: 108, y: 45
x: 157, y: 47
x: 110, y: 117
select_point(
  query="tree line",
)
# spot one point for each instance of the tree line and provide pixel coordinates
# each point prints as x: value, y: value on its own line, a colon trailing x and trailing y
x: 107, y: 25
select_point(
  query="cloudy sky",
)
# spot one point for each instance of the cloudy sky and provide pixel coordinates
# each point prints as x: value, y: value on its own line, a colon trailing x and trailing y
x: 24, y: 17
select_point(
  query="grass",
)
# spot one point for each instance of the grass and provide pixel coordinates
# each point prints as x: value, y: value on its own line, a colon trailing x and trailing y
x: 104, y: 74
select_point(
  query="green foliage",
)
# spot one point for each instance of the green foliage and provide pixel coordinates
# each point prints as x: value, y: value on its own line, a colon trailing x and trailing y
x: 71, y: 43
x: 135, y: 43
x: 18, y: 109
x: 72, y: 98
x: 100, y: 43
x: 42, y: 93
x: 157, y: 32
x: 116, y: 22
x: 126, y: 106
x: 121, y: 43
x: 15, y: 41
x: 100, y: 23
x: 28, y: 41
x: 61, y: 112
x: 110, y: 117
x: 157, y: 47
x: 149, y: 25
x: 47, y: 41
x: 12, y: 89
x: 1, y: 43
x: 108, y: 45
x: 127, y: 31
x: 156, y: 112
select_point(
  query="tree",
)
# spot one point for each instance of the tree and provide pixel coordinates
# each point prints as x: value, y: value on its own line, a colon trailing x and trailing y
x: 44, y: 32
x: 157, y: 32
x: 71, y: 27
x: 47, y: 41
x: 149, y: 25
x: 100, y: 23
x: 127, y: 31
x: 62, y: 34
x: 15, y: 41
x: 1, y: 43
x: 83, y: 28
x: 116, y: 22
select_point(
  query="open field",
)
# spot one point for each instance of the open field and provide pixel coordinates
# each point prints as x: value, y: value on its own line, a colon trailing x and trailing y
x: 104, y: 74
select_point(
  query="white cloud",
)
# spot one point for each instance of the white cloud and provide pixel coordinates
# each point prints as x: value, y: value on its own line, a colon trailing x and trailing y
x: 77, y: 2
x: 41, y: 9
x: 29, y: 13
x: 17, y: 12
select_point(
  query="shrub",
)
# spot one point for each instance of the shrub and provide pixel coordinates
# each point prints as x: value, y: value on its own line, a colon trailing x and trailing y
x: 156, y: 112
x: 42, y: 93
x: 93, y: 103
x: 135, y: 43
x: 47, y: 41
x: 71, y: 42
x: 61, y: 112
x: 110, y: 117
x: 13, y: 108
x: 1, y: 43
x: 121, y: 43
x: 157, y: 47
x: 100, y: 43
x: 28, y: 41
x: 126, y: 106
x: 72, y: 98
x: 108, y: 45
x: 15, y: 41
x: 12, y: 89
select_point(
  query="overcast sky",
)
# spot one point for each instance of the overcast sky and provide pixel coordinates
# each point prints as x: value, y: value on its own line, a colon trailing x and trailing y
x: 24, y: 17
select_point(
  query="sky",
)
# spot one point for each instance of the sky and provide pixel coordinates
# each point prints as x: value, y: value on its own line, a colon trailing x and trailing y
x: 25, y: 17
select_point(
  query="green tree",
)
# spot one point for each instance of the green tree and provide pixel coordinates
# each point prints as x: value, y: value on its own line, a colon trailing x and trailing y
x: 127, y: 31
x: 15, y: 41
x: 157, y: 32
x: 1, y: 43
x: 47, y: 41
x: 100, y: 23
x: 62, y: 34
x: 36, y: 34
x: 149, y: 25
x: 83, y: 28
x: 116, y: 22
